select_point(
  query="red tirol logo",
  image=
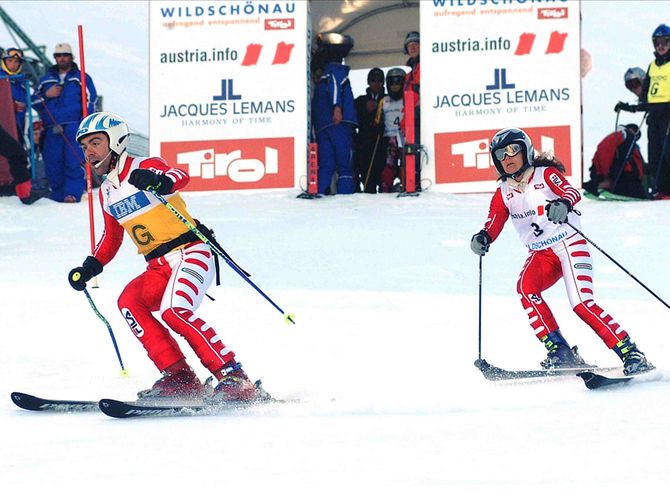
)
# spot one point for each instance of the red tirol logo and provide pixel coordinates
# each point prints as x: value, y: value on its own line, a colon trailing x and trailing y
x: 234, y: 164
x: 280, y: 24
x: 552, y: 13
x: 464, y: 156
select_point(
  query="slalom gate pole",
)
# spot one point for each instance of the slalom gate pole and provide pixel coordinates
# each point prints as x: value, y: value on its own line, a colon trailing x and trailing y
x: 31, y: 132
x: 618, y: 265
x: 124, y: 371
x: 287, y: 317
x: 89, y: 176
x: 479, y: 357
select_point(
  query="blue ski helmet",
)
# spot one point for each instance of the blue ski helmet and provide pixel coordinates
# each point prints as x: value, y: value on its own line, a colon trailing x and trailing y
x: 663, y: 30
x: 506, y: 137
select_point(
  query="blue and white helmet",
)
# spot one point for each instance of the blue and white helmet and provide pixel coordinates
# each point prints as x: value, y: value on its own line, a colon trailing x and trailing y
x: 505, y: 137
x: 635, y: 73
x: 112, y: 125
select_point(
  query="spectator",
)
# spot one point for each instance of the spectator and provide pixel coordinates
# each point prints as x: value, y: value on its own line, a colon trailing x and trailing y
x: 58, y: 99
x: 556, y: 250
x: 617, y: 166
x: 655, y: 100
x: 412, y: 47
x: 14, y: 149
x: 633, y: 79
x: 369, y: 156
x: 180, y: 266
x: 334, y: 114
x: 392, y: 112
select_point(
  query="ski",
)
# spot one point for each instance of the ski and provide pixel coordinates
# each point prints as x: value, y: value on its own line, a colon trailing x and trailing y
x: 124, y: 409
x: 497, y: 374
x: 34, y: 403
x: 594, y: 380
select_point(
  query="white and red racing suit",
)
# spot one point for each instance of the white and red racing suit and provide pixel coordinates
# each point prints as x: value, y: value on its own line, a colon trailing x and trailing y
x: 179, y: 271
x: 555, y: 251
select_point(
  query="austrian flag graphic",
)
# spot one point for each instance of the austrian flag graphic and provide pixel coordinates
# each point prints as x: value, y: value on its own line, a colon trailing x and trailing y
x: 527, y: 41
x: 282, y: 54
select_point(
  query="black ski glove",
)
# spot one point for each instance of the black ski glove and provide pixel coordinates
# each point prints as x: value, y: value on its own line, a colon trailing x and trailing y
x: 79, y: 276
x: 144, y: 179
x: 625, y: 107
x: 557, y: 210
x: 480, y: 243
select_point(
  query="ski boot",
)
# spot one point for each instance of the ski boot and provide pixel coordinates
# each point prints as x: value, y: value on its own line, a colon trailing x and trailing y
x: 180, y: 382
x: 234, y: 386
x: 634, y: 361
x: 559, y: 353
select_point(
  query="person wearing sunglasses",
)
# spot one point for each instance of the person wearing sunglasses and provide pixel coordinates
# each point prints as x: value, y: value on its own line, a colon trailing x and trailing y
x: 13, y: 145
x: 556, y: 249
x: 655, y: 100
x: 58, y: 101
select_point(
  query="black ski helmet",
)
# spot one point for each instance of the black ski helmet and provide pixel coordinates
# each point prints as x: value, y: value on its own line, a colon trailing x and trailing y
x: 377, y: 74
x: 506, y: 137
x: 333, y: 47
x: 395, y: 76
x: 412, y: 36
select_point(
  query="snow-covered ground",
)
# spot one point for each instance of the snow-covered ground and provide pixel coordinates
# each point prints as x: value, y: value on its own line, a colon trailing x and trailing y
x: 384, y: 292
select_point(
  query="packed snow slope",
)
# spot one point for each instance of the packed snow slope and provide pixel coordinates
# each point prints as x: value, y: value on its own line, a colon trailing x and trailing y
x: 385, y: 295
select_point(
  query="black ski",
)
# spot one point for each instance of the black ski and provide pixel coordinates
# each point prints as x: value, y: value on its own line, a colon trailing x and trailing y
x: 497, y: 374
x: 594, y: 380
x: 123, y: 409
x: 34, y: 403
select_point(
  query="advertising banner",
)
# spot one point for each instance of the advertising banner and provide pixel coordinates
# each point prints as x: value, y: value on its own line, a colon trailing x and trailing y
x: 491, y: 64
x: 228, y: 91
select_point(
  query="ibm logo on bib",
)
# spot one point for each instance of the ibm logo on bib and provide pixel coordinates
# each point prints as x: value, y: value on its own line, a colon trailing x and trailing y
x: 129, y: 205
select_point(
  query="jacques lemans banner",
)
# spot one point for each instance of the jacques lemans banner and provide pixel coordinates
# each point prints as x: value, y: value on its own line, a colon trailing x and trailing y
x: 228, y: 91
x: 491, y: 64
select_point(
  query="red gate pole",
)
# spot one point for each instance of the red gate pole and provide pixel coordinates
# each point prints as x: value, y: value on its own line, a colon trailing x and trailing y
x: 84, y: 114
x: 410, y: 148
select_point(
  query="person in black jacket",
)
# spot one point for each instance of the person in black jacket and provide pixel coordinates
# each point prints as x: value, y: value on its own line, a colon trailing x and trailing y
x: 369, y: 158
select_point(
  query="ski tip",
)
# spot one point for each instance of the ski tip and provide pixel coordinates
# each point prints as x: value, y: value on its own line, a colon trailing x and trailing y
x: 481, y: 364
x: 25, y: 401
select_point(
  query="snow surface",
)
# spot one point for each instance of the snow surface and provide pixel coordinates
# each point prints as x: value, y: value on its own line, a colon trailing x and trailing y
x: 384, y: 292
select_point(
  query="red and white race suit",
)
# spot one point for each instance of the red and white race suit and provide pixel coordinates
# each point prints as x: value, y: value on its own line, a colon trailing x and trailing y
x: 555, y: 251
x: 174, y: 284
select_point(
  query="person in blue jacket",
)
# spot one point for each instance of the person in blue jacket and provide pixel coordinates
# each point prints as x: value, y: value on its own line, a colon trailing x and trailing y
x: 58, y: 100
x: 14, y: 149
x: 334, y: 113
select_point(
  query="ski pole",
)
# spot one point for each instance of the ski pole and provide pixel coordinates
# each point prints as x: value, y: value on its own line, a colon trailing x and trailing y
x: 372, y: 159
x: 287, y: 317
x: 628, y: 153
x: 479, y: 358
x: 659, y: 165
x: 617, y: 264
x: 124, y: 371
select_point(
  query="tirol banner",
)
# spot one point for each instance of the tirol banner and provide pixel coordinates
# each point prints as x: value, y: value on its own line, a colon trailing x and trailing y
x: 492, y: 64
x: 228, y: 91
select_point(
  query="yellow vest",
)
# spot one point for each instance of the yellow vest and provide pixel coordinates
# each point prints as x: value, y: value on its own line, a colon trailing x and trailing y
x: 659, y: 83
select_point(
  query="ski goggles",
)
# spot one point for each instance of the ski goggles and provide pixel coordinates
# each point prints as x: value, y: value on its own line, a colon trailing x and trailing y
x: 664, y: 41
x: 510, y: 150
x: 13, y: 54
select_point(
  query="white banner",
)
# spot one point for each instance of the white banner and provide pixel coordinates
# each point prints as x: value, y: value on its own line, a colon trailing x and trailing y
x: 491, y: 64
x: 228, y: 91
